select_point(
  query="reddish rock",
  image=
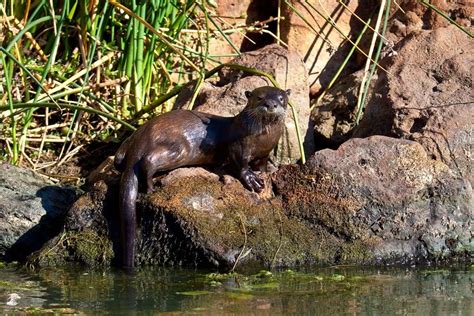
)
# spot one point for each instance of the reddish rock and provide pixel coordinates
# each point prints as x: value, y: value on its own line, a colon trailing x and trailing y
x: 317, y: 41
x: 334, y: 117
x: 405, y: 10
x: 232, y: 13
x: 427, y: 96
x: 374, y: 200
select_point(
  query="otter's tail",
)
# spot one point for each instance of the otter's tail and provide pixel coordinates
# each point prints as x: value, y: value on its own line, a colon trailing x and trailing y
x: 127, y: 208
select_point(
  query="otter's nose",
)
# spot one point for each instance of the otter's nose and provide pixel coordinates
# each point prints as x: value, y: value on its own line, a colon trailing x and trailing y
x: 271, y: 105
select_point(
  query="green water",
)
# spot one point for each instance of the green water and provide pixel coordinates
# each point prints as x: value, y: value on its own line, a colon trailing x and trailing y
x: 315, y: 291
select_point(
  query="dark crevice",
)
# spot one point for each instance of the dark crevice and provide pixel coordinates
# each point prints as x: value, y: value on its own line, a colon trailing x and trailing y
x: 259, y: 11
x: 418, y: 124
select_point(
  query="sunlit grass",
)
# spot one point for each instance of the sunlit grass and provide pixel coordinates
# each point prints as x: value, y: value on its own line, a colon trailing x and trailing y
x: 90, y: 54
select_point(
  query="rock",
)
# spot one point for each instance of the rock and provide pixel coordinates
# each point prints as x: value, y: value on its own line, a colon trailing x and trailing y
x: 193, y: 221
x: 227, y: 100
x: 375, y: 200
x: 31, y: 211
x: 321, y: 44
x: 226, y: 97
x: 383, y: 200
x: 85, y: 236
x: 180, y: 173
x: 408, y: 16
x: 237, y: 18
x: 232, y: 12
x: 414, y: 15
x: 335, y: 116
x: 427, y: 96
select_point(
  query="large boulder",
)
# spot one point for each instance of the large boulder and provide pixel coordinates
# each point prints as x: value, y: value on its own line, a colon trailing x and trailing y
x: 427, y: 96
x: 382, y: 199
x: 32, y: 210
x: 374, y: 200
x: 192, y: 220
x: 226, y: 96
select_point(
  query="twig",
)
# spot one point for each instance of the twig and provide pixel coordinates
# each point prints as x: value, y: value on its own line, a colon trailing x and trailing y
x: 78, y: 75
x: 243, y: 247
x: 341, y: 67
x: 344, y: 35
x: 69, y: 106
x: 280, y: 243
x: 366, y: 24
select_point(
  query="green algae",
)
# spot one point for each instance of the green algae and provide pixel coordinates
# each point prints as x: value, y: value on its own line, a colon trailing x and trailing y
x: 309, y: 291
x: 264, y: 274
x: 239, y: 296
x: 337, y: 277
x: 219, y: 277
x: 7, y: 284
x: 86, y: 247
x: 194, y: 293
x: 269, y: 285
x: 92, y: 248
x: 48, y: 311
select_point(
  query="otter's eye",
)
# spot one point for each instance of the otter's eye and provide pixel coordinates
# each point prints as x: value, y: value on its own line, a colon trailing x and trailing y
x: 280, y: 98
x: 260, y: 98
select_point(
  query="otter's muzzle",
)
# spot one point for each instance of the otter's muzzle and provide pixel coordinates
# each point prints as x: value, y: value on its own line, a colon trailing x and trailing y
x: 273, y: 106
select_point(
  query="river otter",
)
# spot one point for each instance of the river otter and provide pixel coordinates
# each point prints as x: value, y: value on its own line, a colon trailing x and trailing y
x: 187, y: 138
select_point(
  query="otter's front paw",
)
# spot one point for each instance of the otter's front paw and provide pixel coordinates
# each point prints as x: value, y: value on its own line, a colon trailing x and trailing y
x: 251, y: 181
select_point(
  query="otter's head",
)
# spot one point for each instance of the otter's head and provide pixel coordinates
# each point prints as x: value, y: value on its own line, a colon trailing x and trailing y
x: 269, y: 102
x: 266, y: 104
x: 266, y: 107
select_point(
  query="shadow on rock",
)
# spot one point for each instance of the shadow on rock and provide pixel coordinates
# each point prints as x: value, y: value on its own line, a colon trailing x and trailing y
x: 55, y: 201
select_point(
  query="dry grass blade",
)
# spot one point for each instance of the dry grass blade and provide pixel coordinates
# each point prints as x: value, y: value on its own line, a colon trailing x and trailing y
x: 364, y: 81
x: 76, y: 76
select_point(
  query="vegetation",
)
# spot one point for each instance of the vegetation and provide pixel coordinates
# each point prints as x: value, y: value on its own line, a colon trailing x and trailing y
x: 75, y: 72
x: 62, y: 61
x: 65, y: 59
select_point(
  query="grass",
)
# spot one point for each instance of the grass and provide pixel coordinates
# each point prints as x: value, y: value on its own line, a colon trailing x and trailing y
x: 74, y: 72
x: 117, y: 58
x: 384, y: 6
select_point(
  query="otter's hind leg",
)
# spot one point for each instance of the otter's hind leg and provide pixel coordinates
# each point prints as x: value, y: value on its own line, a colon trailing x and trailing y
x: 119, y: 159
x: 162, y: 158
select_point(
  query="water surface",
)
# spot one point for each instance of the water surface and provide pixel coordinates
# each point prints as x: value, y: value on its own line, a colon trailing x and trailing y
x: 312, y: 291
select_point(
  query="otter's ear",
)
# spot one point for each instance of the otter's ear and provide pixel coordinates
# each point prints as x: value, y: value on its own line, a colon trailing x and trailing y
x: 248, y: 94
x: 288, y: 92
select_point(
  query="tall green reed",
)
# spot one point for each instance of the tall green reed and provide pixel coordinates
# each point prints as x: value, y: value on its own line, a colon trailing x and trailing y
x: 75, y: 35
